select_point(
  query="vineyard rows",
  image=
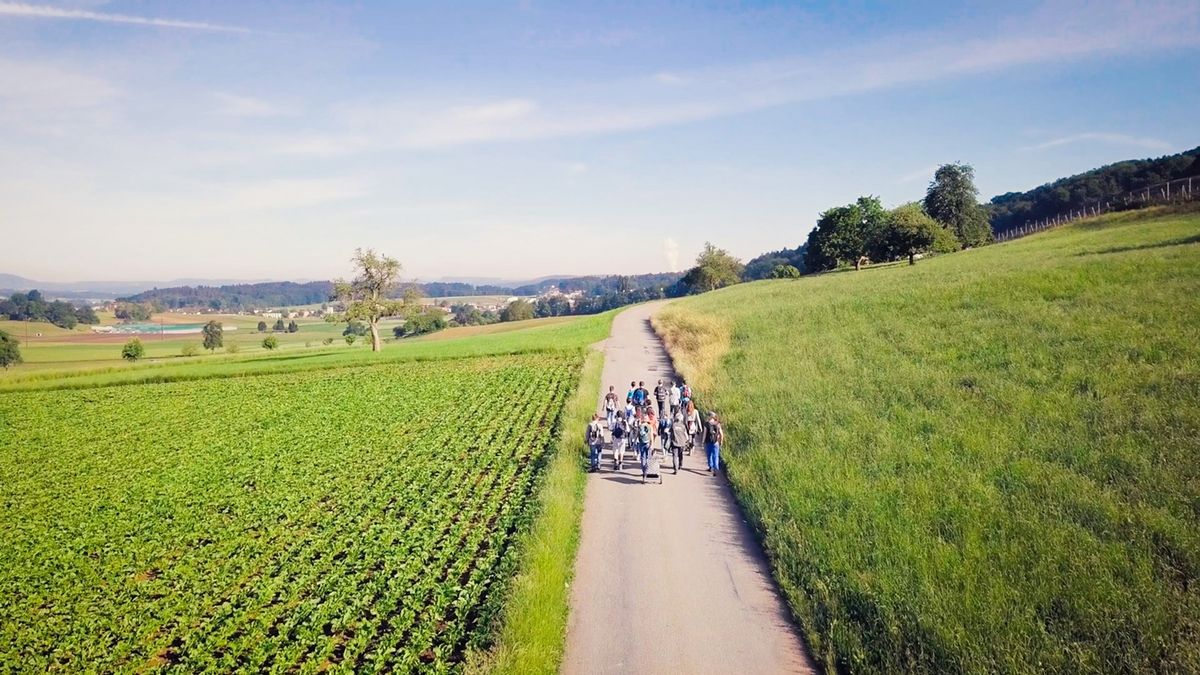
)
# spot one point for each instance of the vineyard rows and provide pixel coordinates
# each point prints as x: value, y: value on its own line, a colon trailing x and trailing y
x: 357, y: 518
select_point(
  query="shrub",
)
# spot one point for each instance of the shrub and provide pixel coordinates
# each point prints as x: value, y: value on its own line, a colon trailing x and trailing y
x: 270, y: 342
x: 189, y: 350
x: 133, y: 350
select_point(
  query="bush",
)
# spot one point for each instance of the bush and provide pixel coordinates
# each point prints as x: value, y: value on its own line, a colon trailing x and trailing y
x: 350, y: 339
x: 270, y: 342
x: 232, y: 349
x: 133, y: 350
x: 10, y: 354
x: 262, y: 326
x: 327, y: 341
x: 189, y: 350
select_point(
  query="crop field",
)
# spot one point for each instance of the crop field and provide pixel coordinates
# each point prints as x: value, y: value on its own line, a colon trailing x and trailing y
x: 987, y: 462
x: 358, y: 517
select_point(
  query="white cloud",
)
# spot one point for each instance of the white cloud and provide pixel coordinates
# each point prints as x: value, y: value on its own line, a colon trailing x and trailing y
x: 918, y: 174
x: 288, y: 194
x: 577, y: 168
x: 234, y: 105
x: 1143, y: 142
x: 31, y: 86
x: 20, y: 9
x: 671, y: 251
x: 499, y: 111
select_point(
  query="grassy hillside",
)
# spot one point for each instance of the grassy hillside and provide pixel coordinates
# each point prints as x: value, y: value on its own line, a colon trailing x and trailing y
x: 986, y: 462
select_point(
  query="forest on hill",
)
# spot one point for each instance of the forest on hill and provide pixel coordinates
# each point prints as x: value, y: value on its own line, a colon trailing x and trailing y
x: 1014, y: 209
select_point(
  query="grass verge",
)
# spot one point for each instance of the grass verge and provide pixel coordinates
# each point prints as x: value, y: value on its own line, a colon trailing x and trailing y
x: 530, y: 638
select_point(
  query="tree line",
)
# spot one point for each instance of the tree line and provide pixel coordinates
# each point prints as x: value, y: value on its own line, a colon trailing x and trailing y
x: 33, y: 306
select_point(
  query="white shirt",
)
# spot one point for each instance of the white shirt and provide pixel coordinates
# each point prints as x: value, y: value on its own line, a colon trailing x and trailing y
x: 674, y: 395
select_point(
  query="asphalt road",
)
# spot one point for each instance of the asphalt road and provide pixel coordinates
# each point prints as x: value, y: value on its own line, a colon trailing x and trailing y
x: 669, y: 578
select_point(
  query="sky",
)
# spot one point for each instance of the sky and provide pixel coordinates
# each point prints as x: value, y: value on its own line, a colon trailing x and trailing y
x: 240, y: 140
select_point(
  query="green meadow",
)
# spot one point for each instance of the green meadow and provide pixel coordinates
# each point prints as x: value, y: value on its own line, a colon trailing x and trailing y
x: 987, y: 462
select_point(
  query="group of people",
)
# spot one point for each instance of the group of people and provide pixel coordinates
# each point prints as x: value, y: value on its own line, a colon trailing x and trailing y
x: 666, y: 416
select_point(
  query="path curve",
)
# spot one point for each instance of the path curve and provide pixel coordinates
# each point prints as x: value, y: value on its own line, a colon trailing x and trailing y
x: 669, y: 578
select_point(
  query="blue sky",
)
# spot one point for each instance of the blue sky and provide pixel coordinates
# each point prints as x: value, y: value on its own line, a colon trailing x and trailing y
x: 518, y: 139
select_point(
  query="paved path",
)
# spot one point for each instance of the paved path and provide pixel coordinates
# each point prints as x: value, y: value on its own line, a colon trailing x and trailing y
x: 669, y: 579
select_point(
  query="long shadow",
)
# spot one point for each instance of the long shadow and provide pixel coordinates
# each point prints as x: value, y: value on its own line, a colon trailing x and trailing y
x: 622, y: 478
x: 1162, y: 244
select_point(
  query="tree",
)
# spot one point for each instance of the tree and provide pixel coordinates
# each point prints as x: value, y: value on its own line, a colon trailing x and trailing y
x: 425, y: 320
x: 262, y: 326
x: 10, y: 353
x: 951, y: 201
x: 367, y: 295
x: 355, y: 328
x: 785, y: 272
x: 845, y: 234
x: 279, y: 327
x: 554, y: 305
x: 133, y: 350
x: 133, y: 311
x: 214, y: 335
x: 715, y: 268
x: 517, y: 310
x: 270, y: 342
x: 292, y: 327
x: 911, y: 231
x: 350, y: 339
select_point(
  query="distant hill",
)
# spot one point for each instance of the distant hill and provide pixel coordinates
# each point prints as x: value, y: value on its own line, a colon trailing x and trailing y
x: 1113, y: 181
x: 234, y: 297
x: 103, y: 289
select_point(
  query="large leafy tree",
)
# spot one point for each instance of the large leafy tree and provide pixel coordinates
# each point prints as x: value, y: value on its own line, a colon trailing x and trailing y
x: 368, y: 296
x: 910, y: 231
x: 715, y: 268
x: 951, y: 200
x: 133, y: 350
x: 846, y: 234
x: 214, y: 335
x: 10, y: 354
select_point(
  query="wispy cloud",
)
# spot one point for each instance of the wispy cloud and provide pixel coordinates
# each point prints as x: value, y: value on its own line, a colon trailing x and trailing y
x: 1054, y: 35
x: 918, y: 174
x: 233, y: 105
x: 1144, y: 142
x: 20, y: 9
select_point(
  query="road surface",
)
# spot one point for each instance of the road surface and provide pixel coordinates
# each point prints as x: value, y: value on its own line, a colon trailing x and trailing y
x: 669, y: 578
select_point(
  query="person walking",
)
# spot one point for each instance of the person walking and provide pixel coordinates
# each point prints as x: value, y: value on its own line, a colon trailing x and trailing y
x: 673, y: 399
x: 644, y: 395
x: 620, y: 432
x: 629, y: 394
x: 595, y: 441
x: 714, y: 435
x: 691, y: 418
x: 645, y: 443
x: 662, y: 396
x: 638, y: 397
x: 610, y: 405
x: 679, y: 438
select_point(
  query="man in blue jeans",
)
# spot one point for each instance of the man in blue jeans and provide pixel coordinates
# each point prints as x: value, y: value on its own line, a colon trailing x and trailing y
x: 714, y: 435
x: 595, y: 441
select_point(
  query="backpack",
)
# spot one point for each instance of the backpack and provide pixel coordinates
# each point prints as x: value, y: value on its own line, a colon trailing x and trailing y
x: 594, y: 434
x: 639, y: 396
x: 618, y: 430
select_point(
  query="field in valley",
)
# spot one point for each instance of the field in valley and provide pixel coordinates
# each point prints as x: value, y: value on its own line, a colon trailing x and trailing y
x: 287, y: 512
x: 988, y: 462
